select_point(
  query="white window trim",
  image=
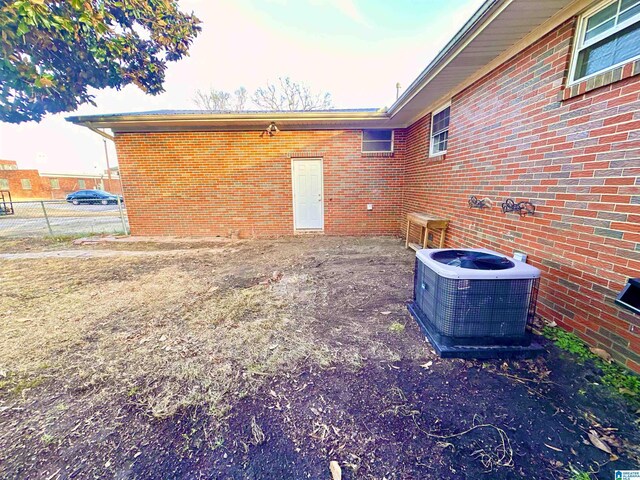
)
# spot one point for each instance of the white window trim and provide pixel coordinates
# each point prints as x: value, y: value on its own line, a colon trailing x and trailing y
x: 433, y: 114
x: 393, y: 135
x: 579, y: 46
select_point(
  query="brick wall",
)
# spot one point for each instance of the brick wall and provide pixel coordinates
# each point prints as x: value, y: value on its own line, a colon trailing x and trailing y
x: 210, y: 183
x: 39, y: 189
x: 577, y: 160
x: 71, y: 184
x: 113, y: 186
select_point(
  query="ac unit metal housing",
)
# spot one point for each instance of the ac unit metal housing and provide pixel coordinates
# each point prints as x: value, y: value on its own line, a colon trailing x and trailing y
x: 475, y: 303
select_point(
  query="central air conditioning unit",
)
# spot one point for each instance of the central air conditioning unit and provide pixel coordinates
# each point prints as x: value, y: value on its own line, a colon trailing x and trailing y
x: 475, y: 303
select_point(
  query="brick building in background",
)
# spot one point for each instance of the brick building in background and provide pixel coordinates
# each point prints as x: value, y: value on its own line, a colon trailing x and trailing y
x: 26, y: 184
x: 8, y: 165
x: 535, y: 101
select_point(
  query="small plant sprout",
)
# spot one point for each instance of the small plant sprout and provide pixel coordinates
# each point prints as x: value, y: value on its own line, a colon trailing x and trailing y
x: 578, y: 474
x: 396, y: 327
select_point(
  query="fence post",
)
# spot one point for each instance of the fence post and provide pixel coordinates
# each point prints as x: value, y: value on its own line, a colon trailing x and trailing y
x: 124, y: 224
x: 46, y: 217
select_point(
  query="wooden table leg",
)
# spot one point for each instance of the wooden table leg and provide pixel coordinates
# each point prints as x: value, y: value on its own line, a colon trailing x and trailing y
x: 425, y: 244
x: 406, y: 243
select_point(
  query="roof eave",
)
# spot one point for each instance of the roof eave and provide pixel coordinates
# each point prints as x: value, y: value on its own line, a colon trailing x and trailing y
x: 449, y: 51
x: 231, y: 120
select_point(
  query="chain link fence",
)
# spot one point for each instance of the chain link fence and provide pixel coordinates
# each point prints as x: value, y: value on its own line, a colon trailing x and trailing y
x: 58, y: 218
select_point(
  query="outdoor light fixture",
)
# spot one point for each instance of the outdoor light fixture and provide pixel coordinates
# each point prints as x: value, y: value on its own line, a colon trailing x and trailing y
x: 271, y: 130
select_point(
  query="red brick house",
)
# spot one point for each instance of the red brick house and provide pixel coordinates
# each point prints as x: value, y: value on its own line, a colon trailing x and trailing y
x: 535, y: 101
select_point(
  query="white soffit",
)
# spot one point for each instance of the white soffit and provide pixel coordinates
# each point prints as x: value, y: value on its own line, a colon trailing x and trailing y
x: 513, y: 23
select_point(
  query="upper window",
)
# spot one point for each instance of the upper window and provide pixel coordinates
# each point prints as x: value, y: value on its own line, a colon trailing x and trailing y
x: 608, y: 36
x: 26, y: 184
x: 81, y: 183
x: 55, y: 183
x: 4, y: 184
x: 377, y: 141
x: 440, y: 131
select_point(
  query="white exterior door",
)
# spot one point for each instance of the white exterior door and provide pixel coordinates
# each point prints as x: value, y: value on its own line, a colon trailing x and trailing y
x: 308, y: 195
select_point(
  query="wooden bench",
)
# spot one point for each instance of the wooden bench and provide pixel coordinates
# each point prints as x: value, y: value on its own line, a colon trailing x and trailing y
x: 429, y: 225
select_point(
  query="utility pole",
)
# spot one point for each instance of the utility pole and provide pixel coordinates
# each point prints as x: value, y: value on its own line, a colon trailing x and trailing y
x: 106, y: 155
x: 397, y: 90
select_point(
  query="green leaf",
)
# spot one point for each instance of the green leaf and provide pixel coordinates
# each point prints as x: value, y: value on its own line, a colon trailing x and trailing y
x: 22, y: 28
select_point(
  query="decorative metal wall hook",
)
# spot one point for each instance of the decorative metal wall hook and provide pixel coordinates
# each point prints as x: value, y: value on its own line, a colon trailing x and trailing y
x: 475, y: 203
x: 522, y: 208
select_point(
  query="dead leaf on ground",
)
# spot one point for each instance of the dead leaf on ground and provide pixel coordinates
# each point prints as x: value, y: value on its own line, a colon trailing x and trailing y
x: 336, y: 471
x: 553, y: 448
x: 603, y: 354
x: 626, y: 391
x: 597, y: 442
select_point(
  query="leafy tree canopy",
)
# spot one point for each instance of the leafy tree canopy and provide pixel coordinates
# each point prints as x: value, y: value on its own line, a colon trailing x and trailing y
x: 53, y: 51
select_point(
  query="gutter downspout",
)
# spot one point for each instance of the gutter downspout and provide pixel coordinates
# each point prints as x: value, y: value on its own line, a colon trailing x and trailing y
x: 99, y: 132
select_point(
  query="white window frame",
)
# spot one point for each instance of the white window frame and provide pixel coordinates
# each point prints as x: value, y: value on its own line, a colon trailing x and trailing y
x: 26, y: 181
x: 579, y: 45
x: 5, y: 184
x: 54, y: 183
x: 393, y: 135
x: 433, y: 114
x: 82, y: 184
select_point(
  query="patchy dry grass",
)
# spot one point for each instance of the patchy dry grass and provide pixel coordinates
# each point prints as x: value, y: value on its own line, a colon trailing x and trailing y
x: 166, y: 339
x: 266, y: 359
x: 22, y: 244
x: 91, y: 345
x: 165, y: 333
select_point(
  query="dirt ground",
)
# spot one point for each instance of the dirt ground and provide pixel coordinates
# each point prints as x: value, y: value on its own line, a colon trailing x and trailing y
x: 267, y: 360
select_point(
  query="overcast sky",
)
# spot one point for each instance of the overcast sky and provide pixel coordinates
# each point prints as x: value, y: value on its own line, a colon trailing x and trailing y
x: 354, y: 49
